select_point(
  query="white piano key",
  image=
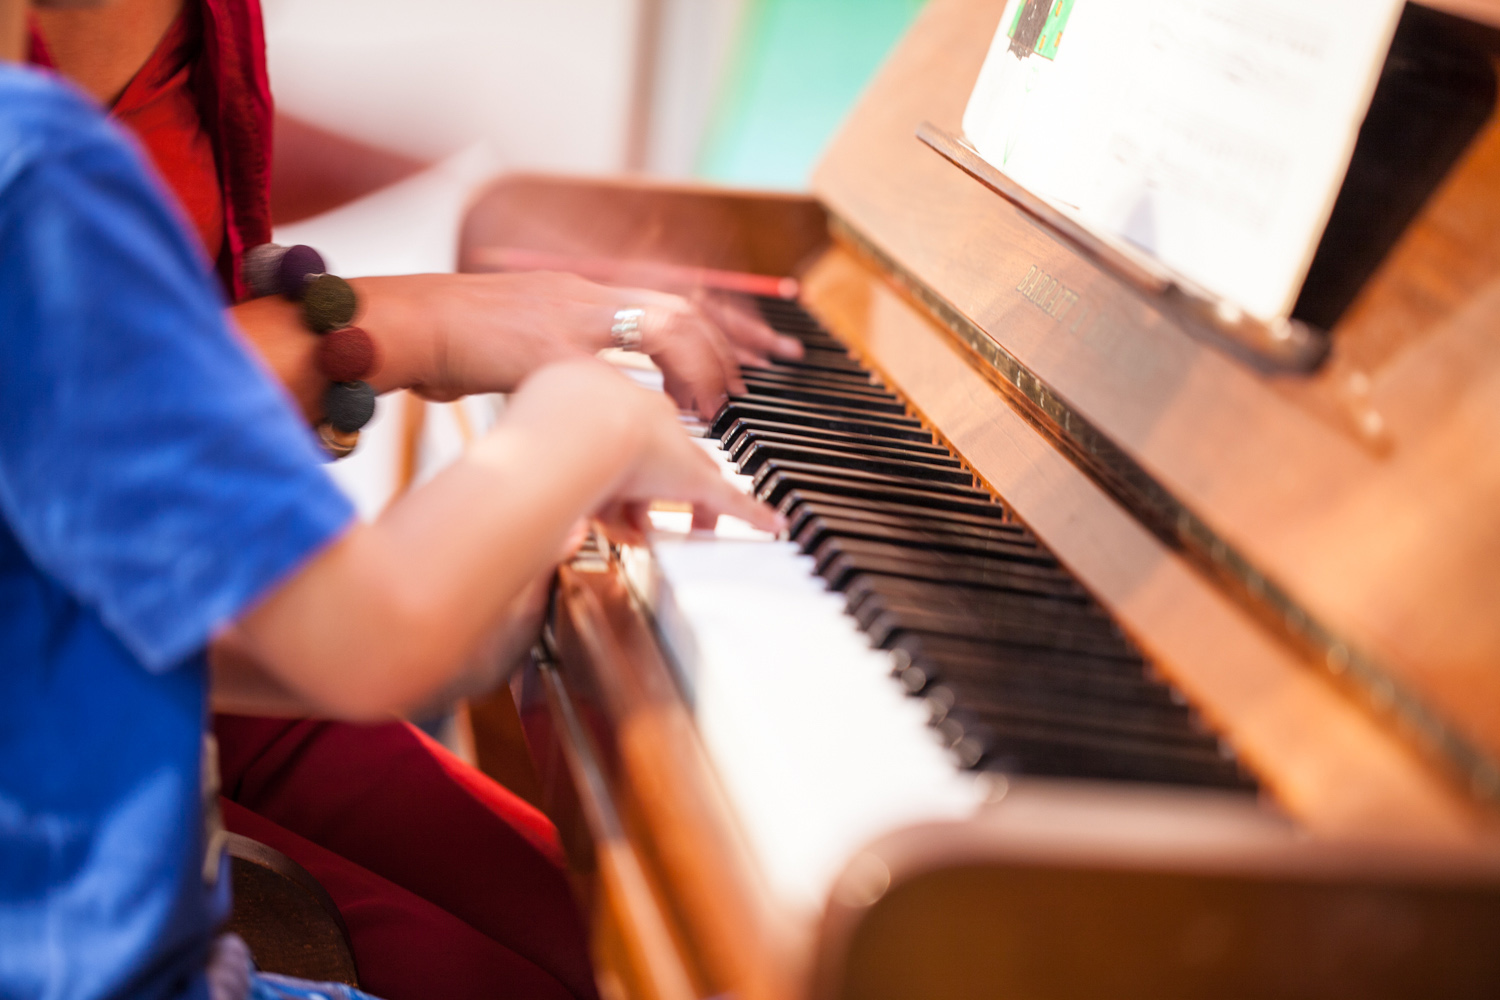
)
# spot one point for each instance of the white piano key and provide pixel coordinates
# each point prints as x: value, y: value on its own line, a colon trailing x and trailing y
x: 815, y: 743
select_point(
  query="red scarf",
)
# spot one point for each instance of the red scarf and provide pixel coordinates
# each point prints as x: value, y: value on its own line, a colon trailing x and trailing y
x: 234, y: 108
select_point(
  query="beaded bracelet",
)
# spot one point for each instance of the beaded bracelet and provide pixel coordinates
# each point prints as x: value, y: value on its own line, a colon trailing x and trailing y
x: 346, y: 355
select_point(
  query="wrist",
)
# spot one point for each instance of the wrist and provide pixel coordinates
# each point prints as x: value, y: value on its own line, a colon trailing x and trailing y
x: 391, y: 304
x: 579, y: 404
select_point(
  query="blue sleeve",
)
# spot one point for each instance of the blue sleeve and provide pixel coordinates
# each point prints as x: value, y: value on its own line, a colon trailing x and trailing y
x: 147, y: 461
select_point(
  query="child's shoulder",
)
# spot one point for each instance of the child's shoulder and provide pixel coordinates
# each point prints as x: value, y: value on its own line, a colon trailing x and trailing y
x: 43, y: 118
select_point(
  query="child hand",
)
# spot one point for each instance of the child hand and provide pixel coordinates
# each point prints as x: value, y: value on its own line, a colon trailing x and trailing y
x: 653, y: 457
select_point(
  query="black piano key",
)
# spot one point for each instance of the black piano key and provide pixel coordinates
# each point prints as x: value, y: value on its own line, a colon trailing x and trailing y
x: 890, y: 624
x: 757, y: 454
x: 743, y: 429
x: 765, y: 379
x: 1163, y: 725
x: 801, y: 505
x: 775, y: 481
x: 854, y: 380
x: 803, y: 502
x: 913, y: 476
x: 842, y: 399
x: 890, y: 451
x: 868, y: 589
x: 797, y: 326
x: 991, y: 613
x: 897, y: 543
x: 785, y: 313
x: 1018, y: 748
x: 818, y: 380
x: 815, y: 381
x: 865, y: 577
x: 743, y: 437
x: 827, y: 353
x: 873, y: 424
x: 754, y: 457
x: 824, y: 363
x: 862, y: 384
x: 856, y: 410
x: 964, y: 582
x: 1015, y: 616
x: 942, y: 652
x: 1011, y: 668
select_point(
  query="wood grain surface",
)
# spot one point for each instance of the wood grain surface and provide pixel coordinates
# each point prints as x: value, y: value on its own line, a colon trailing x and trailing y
x: 1386, y: 537
x: 738, y: 937
x: 1333, y: 766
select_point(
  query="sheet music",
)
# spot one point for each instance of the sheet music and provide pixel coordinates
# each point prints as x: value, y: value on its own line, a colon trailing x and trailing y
x: 1212, y: 134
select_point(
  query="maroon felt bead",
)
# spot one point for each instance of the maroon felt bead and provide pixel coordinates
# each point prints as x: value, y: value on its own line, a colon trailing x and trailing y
x: 348, y: 355
x: 297, y: 264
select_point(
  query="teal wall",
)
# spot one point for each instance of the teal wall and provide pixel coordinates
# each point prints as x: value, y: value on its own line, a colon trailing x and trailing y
x: 798, y: 67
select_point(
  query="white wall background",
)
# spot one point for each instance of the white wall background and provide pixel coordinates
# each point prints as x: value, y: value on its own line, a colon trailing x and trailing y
x: 695, y: 40
x: 544, y: 83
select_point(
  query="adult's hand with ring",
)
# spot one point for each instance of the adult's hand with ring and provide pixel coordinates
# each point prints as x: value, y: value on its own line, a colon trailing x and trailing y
x: 448, y: 335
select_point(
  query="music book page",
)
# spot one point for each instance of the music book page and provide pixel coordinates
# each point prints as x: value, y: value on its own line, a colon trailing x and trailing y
x: 1211, y: 134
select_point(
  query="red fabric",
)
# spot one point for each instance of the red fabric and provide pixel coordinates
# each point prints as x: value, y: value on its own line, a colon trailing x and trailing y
x: 386, y: 801
x: 233, y: 98
x: 235, y: 95
x: 160, y: 106
x: 387, y: 923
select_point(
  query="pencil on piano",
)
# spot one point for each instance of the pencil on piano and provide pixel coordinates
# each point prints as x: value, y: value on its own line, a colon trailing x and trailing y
x: 646, y: 273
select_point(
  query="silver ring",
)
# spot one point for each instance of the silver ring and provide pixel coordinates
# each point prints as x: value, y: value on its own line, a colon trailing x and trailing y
x: 626, y: 333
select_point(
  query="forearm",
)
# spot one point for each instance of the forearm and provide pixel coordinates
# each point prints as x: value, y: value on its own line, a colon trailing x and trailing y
x: 449, y: 334
x: 241, y: 686
x: 387, y: 616
x: 422, y: 325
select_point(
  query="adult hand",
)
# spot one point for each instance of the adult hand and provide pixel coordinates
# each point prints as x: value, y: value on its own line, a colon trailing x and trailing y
x: 755, y: 343
x: 448, y: 335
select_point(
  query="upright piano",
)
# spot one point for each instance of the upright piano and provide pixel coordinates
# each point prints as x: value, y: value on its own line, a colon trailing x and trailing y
x: 1116, y: 650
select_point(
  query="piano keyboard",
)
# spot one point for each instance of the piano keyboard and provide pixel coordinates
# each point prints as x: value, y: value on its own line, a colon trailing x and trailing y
x: 910, y: 627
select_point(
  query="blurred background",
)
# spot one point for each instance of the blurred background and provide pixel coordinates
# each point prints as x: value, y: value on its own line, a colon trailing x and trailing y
x: 737, y: 91
x: 392, y: 112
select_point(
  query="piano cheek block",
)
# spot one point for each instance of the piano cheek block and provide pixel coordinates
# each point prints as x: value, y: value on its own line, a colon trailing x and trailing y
x: 1024, y: 921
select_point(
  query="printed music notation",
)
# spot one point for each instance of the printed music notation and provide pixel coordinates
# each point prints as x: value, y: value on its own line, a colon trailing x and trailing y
x: 1212, y: 135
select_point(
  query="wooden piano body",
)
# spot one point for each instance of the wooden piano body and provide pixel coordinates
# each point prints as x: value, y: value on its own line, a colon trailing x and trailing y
x: 1313, y: 560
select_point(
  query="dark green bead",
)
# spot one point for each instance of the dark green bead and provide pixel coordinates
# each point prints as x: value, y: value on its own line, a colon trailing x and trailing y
x: 328, y: 303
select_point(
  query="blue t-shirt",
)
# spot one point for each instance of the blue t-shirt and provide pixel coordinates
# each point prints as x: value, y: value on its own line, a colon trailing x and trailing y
x: 154, y: 482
